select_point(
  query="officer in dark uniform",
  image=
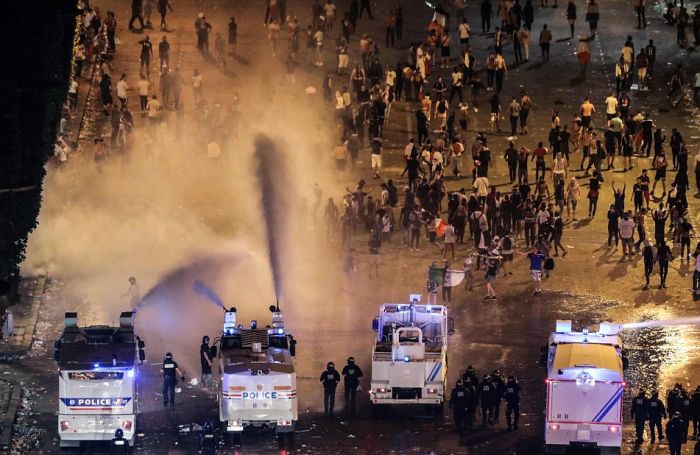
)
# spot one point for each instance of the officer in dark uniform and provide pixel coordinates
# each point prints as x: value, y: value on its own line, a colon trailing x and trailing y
x: 695, y: 410
x: 458, y: 404
x: 512, y: 396
x: 471, y: 399
x: 207, y: 441
x: 673, y: 399
x: 686, y: 410
x: 486, y: 392
x: 674, y: 433
x: 471, y: 374
x: 170, y: 372
x: 499, y: 388
x: 351, y: 374
x: 657, y: 412
x: 119, y: 445
x: 639, y: 414
x: 330, y: 379
x: 205, y: 360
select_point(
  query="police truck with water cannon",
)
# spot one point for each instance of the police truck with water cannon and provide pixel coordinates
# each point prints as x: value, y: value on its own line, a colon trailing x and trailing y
x: 97, y: 380
x: 585, y: 385
x: 258, y: 382
x: 409, y: 355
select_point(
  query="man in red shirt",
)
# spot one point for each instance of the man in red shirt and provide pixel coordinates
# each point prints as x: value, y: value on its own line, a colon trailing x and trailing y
x: 538, y: 155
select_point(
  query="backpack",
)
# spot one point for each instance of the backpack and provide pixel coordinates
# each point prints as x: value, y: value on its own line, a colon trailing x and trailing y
x: 507, y: 243
x: 549, y: 264
x: 393, y: 196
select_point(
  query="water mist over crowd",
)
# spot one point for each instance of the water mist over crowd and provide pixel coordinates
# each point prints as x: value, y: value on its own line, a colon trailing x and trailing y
x: 245, y: 224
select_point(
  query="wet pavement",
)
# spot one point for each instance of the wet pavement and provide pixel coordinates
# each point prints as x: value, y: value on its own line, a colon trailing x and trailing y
x: 589, y: 286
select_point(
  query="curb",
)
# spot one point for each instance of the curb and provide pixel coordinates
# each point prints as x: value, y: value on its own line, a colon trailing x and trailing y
x: 37, y: 298
x: 7, y: 420
x: 20, y: 343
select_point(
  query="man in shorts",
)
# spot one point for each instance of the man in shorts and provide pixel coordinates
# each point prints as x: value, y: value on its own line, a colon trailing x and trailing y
x: 536, y: 262
x: 376, y: 146
x: 644, y: 182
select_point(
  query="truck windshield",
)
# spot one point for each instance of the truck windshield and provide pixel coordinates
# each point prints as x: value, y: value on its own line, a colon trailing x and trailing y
x: 95, y: 375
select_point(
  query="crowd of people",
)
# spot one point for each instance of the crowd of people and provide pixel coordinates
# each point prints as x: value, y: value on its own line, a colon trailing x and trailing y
x: 441, y: 78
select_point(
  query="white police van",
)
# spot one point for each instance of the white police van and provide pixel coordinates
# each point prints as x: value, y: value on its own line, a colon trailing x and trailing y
x: 585, y: 385
x: 97, y: 387
x: 258, y: 382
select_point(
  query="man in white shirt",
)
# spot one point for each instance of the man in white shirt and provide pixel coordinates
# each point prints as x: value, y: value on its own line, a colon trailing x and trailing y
x: 329, y: 10
x: 122, y: 87
x: 449, y: 242
x: 143, y: 85
x: 626, y: 226
x: 610, y: 106
x: 390, y: 76
x: 456, y: 87
x: 464, y: 31
x: 153, y: 107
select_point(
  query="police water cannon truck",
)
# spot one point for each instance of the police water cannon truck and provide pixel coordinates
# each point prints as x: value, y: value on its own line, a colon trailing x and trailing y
x: 97, y: 386
x: 585, y: 385
x: 409, y: 356
x: 258, y: 382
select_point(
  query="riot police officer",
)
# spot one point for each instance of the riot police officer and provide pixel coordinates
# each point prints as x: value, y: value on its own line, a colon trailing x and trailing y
x: 674, y: 433
x: 657, y: 412
x: 499, y: 388
x: 205, y: 360
x: 512, y: 396
x: 330, y: 379
x: 207, y: 441
x: 486, y: 392
x: 471, y: 374
x: 170, y: 371
x: 351, y: 374
x: 673, y: 399
x: 695, y: 410
x: 471, y: 399
x: 119, y: 445
x: 686, y: 410
x: 639, y: 414
x: 458, y: 404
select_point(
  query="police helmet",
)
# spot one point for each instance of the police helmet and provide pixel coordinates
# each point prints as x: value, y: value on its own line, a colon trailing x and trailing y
x: 205, y: 339
x: 351, y: 359
x: 207, y: 426
x: 511, y: 378
x: 459, y: 383
x: 330, y: 365
x: 168, y: 356
x: 119, y: 433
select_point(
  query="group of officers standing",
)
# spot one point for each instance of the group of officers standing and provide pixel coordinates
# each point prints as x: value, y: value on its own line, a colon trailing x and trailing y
x: 681, y: 407
x: 470, y: 395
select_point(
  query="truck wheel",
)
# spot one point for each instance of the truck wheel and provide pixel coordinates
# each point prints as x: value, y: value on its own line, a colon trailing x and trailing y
x: 286, y: 441
x: 439, y: 410
x: 236, y: 439
x: 379, y: 410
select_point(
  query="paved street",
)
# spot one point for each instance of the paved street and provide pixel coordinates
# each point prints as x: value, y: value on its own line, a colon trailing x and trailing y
x: 168, y: 215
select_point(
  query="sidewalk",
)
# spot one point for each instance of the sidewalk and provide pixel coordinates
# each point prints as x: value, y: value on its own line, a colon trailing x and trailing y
x: 25, y: 314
